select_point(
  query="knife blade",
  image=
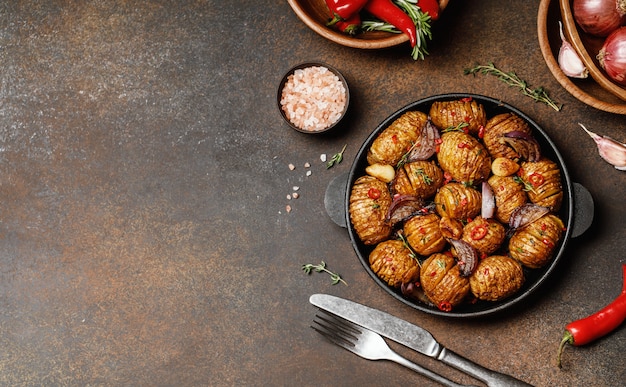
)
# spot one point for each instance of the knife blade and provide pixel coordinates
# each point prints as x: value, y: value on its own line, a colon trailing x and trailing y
x: 411, y: 336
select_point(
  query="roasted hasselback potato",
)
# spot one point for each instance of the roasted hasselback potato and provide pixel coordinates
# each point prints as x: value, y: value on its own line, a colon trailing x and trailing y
x: 484, y: 235
x: 447, y: 114
x: 496, y: 278
x: 533, y: 245
x: 509, y: 196
x: 543, y: 181
x: 419, y: 178
x: 495, y: 130
x: 369, y: 202
x: 393, y: 142
x: 451, y: 228
x: 393, y: 262
x: 442, y: 283
x: 463, y: 157
x: 458, y: 201
x: 423, y: 234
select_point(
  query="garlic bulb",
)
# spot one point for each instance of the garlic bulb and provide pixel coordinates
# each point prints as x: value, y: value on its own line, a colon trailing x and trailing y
x: 611, y: 151
x: 569, y: 61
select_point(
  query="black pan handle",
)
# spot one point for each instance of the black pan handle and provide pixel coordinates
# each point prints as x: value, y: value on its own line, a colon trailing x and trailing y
x: 335, y: 199
x: 583, y: 210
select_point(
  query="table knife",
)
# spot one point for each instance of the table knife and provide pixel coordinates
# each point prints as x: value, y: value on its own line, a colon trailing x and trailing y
x: 410, y: 335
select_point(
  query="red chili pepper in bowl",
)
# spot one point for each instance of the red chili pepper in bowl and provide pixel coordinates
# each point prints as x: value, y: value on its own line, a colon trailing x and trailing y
x: 597, y: 325
x: 343, y: 9
x: 350, y: 26
x: 430, y: 7
x: 387, y: 11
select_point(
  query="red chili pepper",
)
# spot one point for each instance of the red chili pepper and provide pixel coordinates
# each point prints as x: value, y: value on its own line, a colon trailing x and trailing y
x: 373, y: 193
x: 597, y: 325
x: 351, y: 25
x: 430, y: 7
x: 536, y: 179
x: 343, y: 9
x: 481, y: 131
x: 387, y: 11
x: 445, y: 306
x: 478, y: 232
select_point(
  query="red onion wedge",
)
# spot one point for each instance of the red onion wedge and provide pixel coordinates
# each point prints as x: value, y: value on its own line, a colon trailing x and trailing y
x: 526, y: 214
x: 466, y: 255
x: 488, y: 207
x: 426, y: 144
x: 401, y: 207
x: 524, y: 144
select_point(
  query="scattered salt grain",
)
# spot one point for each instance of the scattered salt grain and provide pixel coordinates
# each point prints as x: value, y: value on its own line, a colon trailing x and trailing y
x: 307, y: 165
x: 296, y: 195
x: 313, y: 98
x: 288, y: 197
x: 308, y: 173
x: 295, y: 188
x: 288, y: 208
x: 292, y: 167
x: 323, y: 157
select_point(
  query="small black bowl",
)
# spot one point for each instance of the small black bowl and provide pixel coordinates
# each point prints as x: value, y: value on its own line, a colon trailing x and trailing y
x: 307, y: 65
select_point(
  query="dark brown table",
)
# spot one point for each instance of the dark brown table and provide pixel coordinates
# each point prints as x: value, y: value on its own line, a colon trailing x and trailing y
x: 144, y: 179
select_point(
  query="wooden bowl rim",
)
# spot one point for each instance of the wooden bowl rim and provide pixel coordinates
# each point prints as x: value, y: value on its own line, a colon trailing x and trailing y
x: 351, y: 41
x: 546, y: 51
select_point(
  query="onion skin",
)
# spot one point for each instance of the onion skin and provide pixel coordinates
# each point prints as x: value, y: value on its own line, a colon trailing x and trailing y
x: 599, y: 17
x: 612, y: 56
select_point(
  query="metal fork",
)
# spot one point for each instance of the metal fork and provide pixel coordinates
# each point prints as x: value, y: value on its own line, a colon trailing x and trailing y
x: 368, y: 344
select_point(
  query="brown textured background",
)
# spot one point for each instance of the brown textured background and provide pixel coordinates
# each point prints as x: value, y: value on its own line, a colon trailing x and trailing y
x: 143, y: 179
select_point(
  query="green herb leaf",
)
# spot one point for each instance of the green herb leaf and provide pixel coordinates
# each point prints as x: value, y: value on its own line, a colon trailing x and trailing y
x: 337, y: 158
x: 539, y: 94
x: 335, y: 278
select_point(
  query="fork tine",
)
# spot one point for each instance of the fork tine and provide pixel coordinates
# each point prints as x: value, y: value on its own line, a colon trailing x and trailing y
x: 334, y: 333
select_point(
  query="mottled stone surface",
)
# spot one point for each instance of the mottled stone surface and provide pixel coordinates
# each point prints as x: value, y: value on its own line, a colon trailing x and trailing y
x: 143, y: 181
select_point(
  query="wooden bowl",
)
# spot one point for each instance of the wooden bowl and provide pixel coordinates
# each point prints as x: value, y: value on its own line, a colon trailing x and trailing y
x: 596, y: 91
x: 315, y: 14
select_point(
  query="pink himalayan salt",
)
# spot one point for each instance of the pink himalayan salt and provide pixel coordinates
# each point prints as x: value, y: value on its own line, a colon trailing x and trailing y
x: 313, y: 98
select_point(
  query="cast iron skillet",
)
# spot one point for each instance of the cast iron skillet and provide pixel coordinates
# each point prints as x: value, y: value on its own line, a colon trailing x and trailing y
x: 534, y: 277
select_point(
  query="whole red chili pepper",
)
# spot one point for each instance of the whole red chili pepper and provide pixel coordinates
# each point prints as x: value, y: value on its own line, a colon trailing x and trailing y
x: 387, y: 11
x: 599, y: 324
x: 350, y: 26
x: 430, y: 7
x: 343, y: 9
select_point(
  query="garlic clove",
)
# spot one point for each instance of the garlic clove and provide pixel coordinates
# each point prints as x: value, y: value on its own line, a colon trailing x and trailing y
x: 569, y: 61
x: 613, y: 152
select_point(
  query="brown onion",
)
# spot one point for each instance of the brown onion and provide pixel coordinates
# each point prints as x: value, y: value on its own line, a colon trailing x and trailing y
x: 599, y: 17
x: 612, y: 56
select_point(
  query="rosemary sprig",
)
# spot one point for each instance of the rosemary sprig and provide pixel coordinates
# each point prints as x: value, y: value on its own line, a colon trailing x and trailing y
x: 309, y: 268
x: 406, y: 244
x: 539, y: 94
x: 337, y: 158
x: 422, y: 26
x: 459, y: 128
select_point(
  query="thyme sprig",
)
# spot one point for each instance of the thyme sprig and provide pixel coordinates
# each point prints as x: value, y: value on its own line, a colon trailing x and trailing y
x: 309, y: 268
x: 422, y: 26
x: 337, y: 158
x: 539, y: 94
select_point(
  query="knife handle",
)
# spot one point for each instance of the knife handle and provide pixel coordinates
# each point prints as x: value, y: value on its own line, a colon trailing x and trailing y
x: 491, y: 378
